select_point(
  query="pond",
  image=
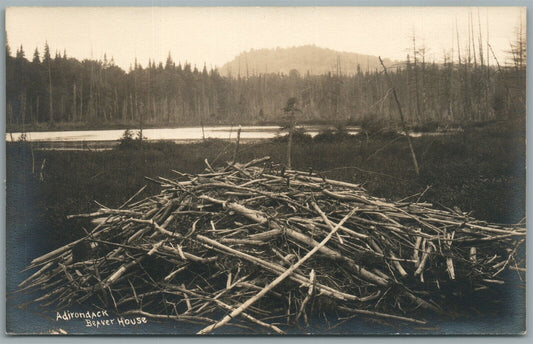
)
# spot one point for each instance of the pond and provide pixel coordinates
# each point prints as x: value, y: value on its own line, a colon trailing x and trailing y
x: 174, y: 134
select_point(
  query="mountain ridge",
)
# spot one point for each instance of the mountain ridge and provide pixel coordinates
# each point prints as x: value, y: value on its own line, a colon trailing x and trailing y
x: 303, y: 59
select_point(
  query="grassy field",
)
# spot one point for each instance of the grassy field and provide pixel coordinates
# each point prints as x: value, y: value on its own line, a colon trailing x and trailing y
x: 480, y: 170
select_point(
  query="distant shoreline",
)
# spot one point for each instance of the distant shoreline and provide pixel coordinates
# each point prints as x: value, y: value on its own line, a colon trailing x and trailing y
x: 135, y: 126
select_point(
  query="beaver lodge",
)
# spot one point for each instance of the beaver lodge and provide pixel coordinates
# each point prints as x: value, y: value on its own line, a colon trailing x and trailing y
x: 256, y: 246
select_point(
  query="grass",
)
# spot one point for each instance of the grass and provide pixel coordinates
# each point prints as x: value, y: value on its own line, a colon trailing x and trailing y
x: 480, y: 170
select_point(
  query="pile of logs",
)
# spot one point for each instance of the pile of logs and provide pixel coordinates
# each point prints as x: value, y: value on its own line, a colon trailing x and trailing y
x: 256, y: 246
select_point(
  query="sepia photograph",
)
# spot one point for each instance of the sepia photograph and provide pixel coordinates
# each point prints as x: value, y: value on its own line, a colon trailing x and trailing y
x: 261, y: 171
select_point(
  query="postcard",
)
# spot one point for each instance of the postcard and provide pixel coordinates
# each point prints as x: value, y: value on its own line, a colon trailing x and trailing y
x: 265, y: 170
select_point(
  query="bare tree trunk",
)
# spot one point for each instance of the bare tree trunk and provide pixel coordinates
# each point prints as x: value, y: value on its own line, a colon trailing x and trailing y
x: 74, y: 105
x: 415, y: 70
x: 23, y: 111
x: 10, y: 119
x: 116, y: 102
x: 51, y: 115
x: 37, y: 108
x: 487, y: 88
x: 415, y: 162
x: 236, y: 152
x: 81, y: 102
x: 472, y: 39
x: 289, y: 148
x: 62, y: 108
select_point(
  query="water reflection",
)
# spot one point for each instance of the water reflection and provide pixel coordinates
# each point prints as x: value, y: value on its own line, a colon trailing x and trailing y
x: 175, y: 134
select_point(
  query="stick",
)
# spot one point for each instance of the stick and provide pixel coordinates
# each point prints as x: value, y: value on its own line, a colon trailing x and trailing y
x: 278, y: 269
x: 382, y: 315
x: 112, y: 279
x: 310, y: 293
x: 132, y: 197
x: 326, y: 220
x: 277, y: 281
x: 101, y: 212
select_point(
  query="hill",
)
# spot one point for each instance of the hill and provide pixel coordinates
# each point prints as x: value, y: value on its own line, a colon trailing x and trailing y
x: 307, y: 58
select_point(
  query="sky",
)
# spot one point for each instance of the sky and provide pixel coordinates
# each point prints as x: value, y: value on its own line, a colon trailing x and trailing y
x: 215, y: 35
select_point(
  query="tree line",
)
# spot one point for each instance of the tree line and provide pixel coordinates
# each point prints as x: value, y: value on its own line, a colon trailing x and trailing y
x: 63, y: 92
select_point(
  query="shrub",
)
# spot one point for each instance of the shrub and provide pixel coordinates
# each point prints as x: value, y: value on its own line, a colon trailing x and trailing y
x: 431, y: 126
x: 298, y: 135
x: 330, y: 135
x: 371, y: 125
x: 130, y: 140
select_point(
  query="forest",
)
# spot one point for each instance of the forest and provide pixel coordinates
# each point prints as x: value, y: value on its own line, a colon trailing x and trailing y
x: 60, y: 92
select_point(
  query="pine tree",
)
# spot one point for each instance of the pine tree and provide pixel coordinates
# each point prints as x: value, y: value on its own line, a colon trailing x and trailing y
x: 169, y: 63
x: 36, y: 57
x: 8, y: 48
x: 46, y: 57
x: 48, y: 61
x: 20, y: 53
